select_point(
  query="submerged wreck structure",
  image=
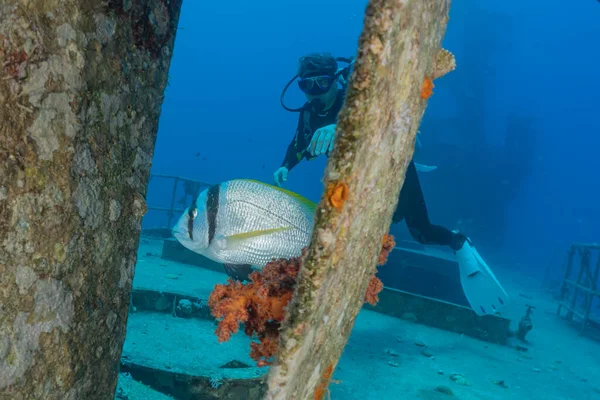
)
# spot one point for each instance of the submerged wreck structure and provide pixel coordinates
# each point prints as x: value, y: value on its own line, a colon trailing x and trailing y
x: 579, y: 290
x: 81, y: 88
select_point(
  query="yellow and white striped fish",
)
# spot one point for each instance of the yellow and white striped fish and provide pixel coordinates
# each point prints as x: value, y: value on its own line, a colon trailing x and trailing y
x: 245, y: 223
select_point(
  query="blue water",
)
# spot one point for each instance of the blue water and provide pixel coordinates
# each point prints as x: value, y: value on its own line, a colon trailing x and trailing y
x: 532, y: 61
x: 514, y: 130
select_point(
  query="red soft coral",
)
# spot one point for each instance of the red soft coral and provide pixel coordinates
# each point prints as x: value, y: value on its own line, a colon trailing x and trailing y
x: 261, y: 303
x: 387, y: 245
x: 375, y: 285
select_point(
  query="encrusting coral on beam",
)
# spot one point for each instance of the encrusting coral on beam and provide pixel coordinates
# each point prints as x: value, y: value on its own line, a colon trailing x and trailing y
x: 443, y: 64
x: 260, y: 304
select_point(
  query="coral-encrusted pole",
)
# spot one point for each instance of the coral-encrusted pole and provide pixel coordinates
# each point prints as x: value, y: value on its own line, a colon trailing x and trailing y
x: 398, y: 57
x: 81, y: 87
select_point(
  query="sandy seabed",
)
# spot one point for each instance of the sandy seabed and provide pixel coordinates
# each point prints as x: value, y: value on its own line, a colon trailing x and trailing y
x: 386, y: 357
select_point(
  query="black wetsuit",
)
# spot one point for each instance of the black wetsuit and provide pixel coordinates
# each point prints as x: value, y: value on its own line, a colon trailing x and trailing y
x: 411, y: 203
x: 308, y: 122
x: 411, y: 207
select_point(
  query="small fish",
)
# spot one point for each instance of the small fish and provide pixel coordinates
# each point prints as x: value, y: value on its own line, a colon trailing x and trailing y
x: 244, y: 224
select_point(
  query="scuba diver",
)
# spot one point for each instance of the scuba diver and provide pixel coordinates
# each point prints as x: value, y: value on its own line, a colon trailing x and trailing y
x: 324, y: 85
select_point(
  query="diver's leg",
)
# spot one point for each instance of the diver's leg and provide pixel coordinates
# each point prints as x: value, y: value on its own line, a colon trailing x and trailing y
x: 412, y: 207
x: 481, y: 288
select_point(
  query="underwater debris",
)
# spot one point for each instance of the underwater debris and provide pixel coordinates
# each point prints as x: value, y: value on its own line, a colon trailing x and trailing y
x: 235, y: 364
x: 216, y: 380
x: 500, y: 383
x: 184, y: 308
x: 260, y: 304
x: 427, y: 353
x: 444, y: 390
x: 392, y: 352
x: 460, y: 379
x: 525, y: 324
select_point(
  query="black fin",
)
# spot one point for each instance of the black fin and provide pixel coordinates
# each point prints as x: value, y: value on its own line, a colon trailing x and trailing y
x: 241, y: 272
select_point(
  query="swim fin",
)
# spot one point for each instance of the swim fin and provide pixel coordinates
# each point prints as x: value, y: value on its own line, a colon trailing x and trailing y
x: 425, y: 168
x: 481, y: 288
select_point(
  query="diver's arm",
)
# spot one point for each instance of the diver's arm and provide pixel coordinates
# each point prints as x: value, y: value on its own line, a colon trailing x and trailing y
x: 292, y: 156
x: 289, y: 161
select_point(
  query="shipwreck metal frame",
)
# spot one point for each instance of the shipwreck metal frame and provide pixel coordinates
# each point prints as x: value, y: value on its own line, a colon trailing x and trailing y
x: 176, y: 180
x: 584, y: 288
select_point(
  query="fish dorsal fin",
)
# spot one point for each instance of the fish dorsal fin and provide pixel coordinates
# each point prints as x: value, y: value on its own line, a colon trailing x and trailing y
x: 303, y: 200
x: 239, y: 237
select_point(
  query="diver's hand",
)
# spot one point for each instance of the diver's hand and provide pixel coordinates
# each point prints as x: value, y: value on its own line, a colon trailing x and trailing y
x: 322, y: 140
x: 280, y: 175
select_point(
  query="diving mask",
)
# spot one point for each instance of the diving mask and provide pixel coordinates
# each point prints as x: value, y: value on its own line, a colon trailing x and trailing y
x: 315, y: 85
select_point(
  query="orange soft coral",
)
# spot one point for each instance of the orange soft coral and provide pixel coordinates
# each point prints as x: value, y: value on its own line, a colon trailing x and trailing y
x: 337, y: 194
x: 427, y: 88
x: 260, y: 304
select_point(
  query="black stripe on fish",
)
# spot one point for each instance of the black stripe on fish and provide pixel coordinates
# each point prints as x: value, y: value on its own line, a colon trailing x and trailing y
x: 192, y: 213
x: 212, y: 207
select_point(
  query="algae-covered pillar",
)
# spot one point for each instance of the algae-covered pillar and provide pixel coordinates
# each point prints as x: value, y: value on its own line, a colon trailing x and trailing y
x: 81, y: 88
x: 398, y: 56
